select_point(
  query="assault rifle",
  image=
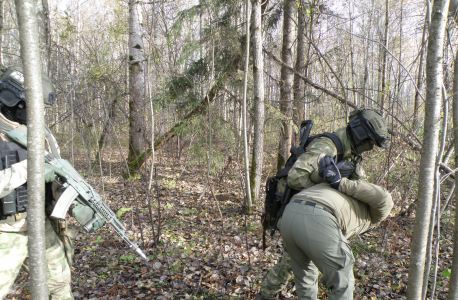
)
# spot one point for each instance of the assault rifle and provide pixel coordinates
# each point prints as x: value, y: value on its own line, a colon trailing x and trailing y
x: 77, y: 188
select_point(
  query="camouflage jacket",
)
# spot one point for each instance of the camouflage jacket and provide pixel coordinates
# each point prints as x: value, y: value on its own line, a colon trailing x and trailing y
x: 16, y: 176
x: 304, y: 173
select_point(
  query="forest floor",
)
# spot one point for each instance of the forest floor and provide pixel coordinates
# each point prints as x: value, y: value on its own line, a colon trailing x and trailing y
x: 208, y: 248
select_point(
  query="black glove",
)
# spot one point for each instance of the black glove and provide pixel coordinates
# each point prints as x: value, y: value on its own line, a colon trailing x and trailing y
x: 346, y: 168
x: 329, y: 172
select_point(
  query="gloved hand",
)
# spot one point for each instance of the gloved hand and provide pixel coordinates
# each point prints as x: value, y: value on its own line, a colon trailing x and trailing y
x: 51, y: 172
x: 346, y: 168
x: 329, y: 172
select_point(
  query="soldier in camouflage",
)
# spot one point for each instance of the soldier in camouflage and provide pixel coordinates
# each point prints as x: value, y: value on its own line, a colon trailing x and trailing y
x: 366, y: 127
x: 13, y: 226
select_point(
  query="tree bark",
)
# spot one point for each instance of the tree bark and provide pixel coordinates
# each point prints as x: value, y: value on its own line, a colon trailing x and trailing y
x: 136, y: 82
x: 286, y: 83
x: 299, y: 85
x: 30, y: 55
x: 384, y: 59
x: 259, y: 110
x: 453, y: 287
x: 248, y: 201
x: 434, y: 80
x: 2, y: 4
x: 416, y: 105
x: 44, y: 32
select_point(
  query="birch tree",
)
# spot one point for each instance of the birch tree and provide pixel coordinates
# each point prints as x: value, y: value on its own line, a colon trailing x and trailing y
x: 44, y: 31
x: 30, y: 55
x: 453, y: 290
x: 136, y: 81
x: 434, y: 81
x: 258, y: 81
x: 249, y: 203
x: 286, y: 83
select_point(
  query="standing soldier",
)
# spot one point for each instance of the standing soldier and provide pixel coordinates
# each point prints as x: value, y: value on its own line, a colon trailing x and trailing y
x: 365, y: 128
x: 13, y: 195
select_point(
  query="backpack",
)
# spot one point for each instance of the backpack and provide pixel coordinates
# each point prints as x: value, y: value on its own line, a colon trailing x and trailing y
x: 275, y: 201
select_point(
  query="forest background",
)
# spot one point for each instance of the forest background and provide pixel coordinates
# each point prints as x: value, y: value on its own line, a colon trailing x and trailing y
x: 165, y: 80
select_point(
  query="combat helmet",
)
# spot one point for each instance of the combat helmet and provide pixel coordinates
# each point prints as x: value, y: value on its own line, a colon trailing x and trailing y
x: 367, y: 127
x: 12, y: 94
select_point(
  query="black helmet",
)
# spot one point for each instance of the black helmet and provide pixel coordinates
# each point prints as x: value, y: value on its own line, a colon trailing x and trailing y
x: 12, y: 95
x: 367, y: 127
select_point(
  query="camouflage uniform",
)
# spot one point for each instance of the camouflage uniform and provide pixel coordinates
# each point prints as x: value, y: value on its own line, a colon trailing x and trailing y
x: 14, y: 253
x: 303, y: 175
x: 13, y: 235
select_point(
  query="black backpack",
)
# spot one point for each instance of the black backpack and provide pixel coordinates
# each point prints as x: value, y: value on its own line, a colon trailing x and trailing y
x: 275, y: 202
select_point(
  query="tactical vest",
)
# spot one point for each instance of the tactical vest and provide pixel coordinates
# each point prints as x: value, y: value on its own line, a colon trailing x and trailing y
x: 16, y: 201
x: 11, y: 153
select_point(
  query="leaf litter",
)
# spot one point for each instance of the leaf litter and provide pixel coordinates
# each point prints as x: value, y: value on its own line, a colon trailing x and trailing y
x: 200, y: 256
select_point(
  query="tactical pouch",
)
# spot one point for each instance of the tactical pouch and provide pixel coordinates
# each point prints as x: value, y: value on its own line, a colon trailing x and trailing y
x: 16, y: 201
x: 67, y: 236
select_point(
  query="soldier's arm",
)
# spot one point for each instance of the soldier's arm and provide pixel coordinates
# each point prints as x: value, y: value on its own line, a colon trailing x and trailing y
x: 302, y: 175
x: 379, y: 200
x: 13, y: 177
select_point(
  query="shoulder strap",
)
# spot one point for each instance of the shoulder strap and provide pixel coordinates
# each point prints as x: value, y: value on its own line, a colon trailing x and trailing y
x: 337, y: 142
x: 52, y: 142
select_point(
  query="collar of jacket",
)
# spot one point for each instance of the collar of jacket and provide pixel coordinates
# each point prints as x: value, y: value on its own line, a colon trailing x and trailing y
x: 342, y: 135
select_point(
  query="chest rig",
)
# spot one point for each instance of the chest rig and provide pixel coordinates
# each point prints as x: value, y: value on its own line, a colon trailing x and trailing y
x: 16, y: 201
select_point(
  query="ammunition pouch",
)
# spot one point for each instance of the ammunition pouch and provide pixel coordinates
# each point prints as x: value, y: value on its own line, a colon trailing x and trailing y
x: 16, y: 201
x: 67, y: 236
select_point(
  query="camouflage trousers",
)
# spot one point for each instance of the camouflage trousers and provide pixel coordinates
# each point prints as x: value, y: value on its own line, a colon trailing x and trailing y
x: 277, y: 278
x: 14, y: 254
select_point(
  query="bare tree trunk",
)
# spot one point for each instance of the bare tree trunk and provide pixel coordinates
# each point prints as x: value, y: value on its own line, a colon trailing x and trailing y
x: 44, y: 32
x: 429, y: 150
x: 384, y: 59
x: 30, y: 54
x: 286, y: 84
x: 298, y: 87
x: 258, y: 81
x: 106, y: 128
x: 453, y: 287
x: 2, y: 3
x: 352, y: 64
x: 249, y: 204
x: 416, y: 105
x: 136, y: 81
x: 366, y: 58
